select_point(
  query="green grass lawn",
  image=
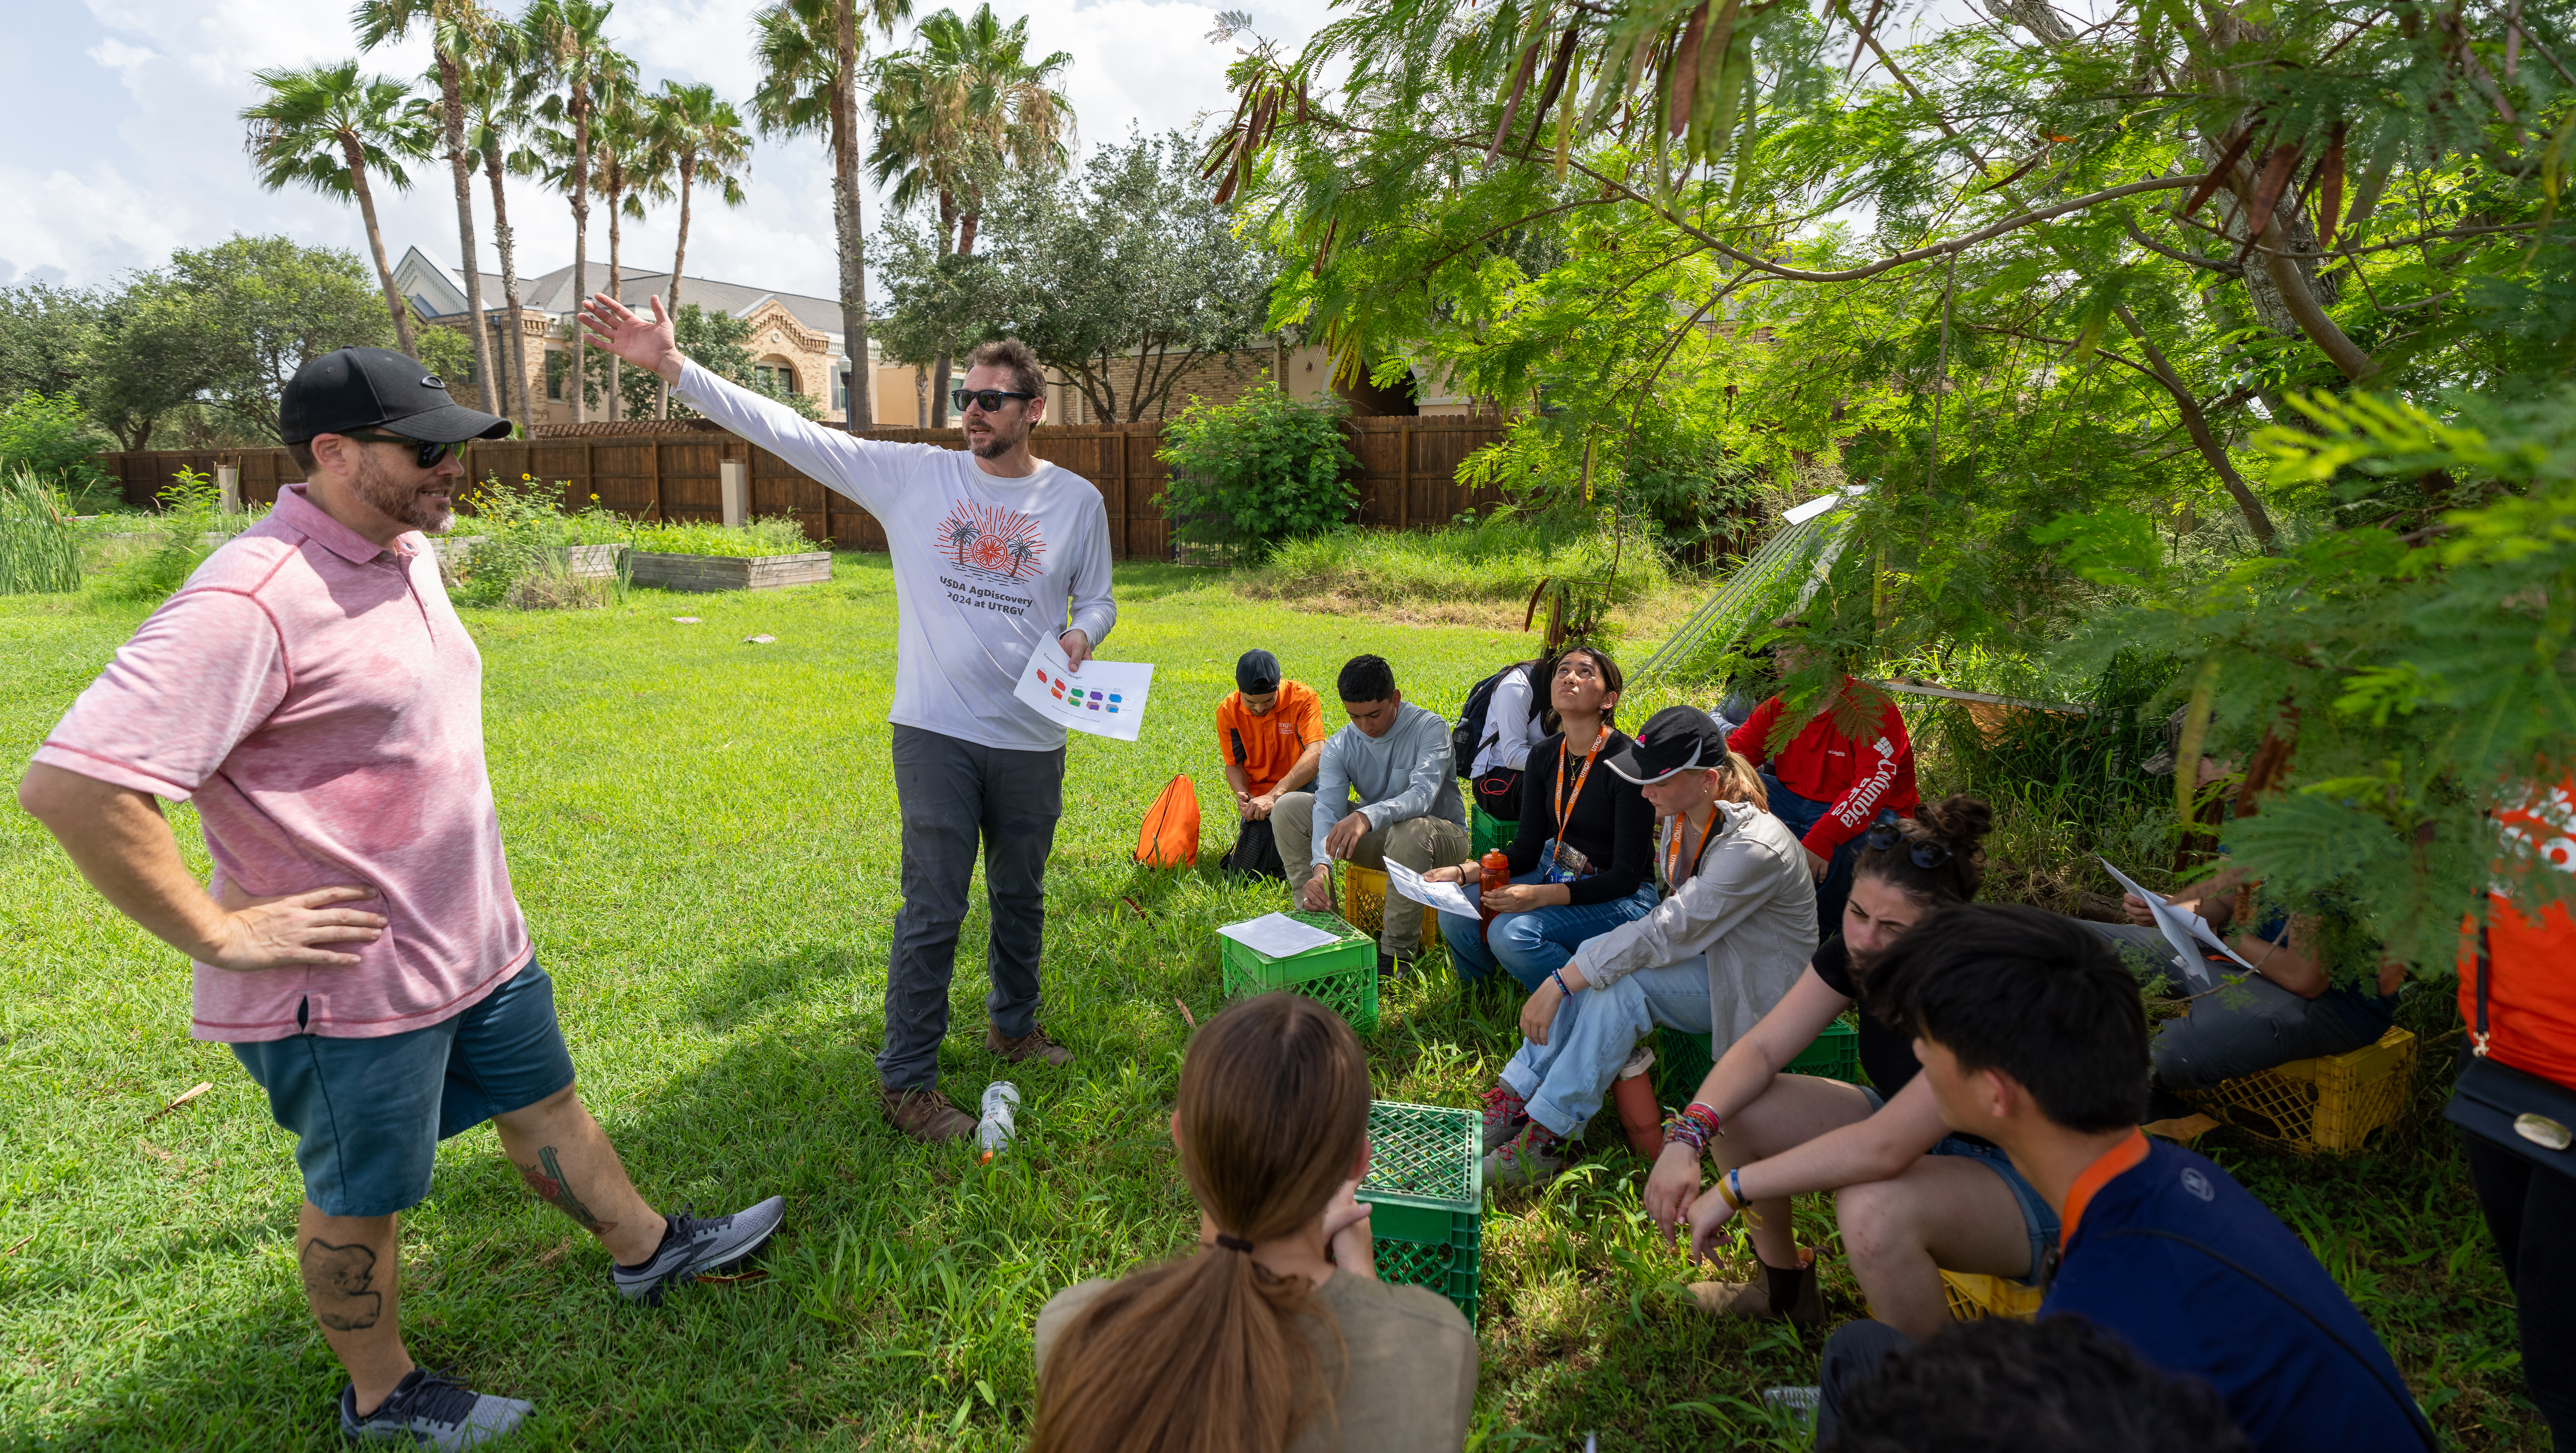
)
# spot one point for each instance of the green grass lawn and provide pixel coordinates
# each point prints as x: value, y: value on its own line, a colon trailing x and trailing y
x: 703, y: 833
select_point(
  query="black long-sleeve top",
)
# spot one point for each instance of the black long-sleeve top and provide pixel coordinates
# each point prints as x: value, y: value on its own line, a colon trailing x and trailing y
x: 1610, y: 822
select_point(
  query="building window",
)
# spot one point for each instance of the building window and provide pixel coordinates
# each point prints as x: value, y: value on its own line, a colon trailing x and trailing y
x: 557, y: 366
x: 841, y: 390
x: 781, y: 377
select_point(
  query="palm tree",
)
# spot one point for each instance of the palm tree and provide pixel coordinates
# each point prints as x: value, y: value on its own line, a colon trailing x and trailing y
x: 325, y: 127
x: 967, y: 98
x: 809, y: 61
x: 564, y: 44
x: 629, y: 170
x: 494, y: 117
x: 457, y: 28
x: 697, y: 137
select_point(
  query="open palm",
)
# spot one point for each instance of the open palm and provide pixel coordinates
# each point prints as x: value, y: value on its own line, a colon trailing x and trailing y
x: 644, y: 342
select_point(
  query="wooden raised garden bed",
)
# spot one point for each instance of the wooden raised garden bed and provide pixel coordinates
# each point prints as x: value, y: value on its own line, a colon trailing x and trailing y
x: 721, y: 572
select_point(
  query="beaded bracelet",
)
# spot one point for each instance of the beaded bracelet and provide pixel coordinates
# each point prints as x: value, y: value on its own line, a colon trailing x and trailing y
x: 1694, y: 1126
x: 1560, y: 983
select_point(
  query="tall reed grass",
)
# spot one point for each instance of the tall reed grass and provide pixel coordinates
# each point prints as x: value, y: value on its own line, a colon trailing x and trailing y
x: 39, y: 544
x: 1500, y: 558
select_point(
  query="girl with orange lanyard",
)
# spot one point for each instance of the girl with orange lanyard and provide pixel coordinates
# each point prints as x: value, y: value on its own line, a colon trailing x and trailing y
x: 1583, y: 860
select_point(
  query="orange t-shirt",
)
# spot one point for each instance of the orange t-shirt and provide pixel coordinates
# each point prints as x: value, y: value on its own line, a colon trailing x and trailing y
x: 1265, y: 747
x: 2531, y: 1010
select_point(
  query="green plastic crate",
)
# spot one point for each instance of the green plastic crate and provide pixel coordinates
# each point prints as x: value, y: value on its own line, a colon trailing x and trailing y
x: 1343, y: 974
x: 1426, y: 1193
x: 1486, y: 831
x: 1682, y: 1060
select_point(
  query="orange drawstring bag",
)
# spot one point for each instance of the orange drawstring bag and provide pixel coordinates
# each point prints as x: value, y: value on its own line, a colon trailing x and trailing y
x: 1170, y: 836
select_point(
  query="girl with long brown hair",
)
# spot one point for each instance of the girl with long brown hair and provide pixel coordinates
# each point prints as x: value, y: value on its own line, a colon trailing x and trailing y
x: 1275, y: 1335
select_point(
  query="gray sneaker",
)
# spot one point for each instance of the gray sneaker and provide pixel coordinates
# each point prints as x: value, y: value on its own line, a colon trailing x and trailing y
x: 431, y: 1411
x: 1532, y: 1158
x: 694, y: 1247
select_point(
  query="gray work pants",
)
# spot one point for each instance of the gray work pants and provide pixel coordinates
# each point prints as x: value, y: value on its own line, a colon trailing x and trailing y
x: 1419, y: 843
x: 2238, y: 1029
x: 950, y: 792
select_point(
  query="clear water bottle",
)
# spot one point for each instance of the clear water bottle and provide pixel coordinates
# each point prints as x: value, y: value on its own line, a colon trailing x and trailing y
x: 993, y: 1132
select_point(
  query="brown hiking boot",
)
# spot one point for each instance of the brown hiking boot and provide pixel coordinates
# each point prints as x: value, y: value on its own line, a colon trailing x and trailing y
x: 925, y: 1115
x: 1032, y: 1045
x: 1796, y: 1290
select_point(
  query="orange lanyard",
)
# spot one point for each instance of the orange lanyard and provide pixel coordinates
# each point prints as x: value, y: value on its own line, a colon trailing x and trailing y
x: 1673, y: 855
x: 1565, y: 800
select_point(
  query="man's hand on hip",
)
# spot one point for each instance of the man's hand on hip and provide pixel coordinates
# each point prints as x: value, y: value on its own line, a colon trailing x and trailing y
x: 285, y: 932
x: 647, y: 343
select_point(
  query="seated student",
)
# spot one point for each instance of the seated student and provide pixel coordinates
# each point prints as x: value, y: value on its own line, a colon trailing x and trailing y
x: 1583, y: 861
x: 2290, y: 1007
x: 1383, y: 790
x: 1275, y: 1333
x: 1270, y: 735
x: 1909, y: 1198
x: 2010, y: 1386
x: 2033, y: 1036
x: 1827, y: 783
x: 1515, y: 723
x: 1737, y: 920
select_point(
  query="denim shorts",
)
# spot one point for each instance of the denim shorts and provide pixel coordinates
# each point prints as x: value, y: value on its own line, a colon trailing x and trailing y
x: 2036, y: 1218
x: 368, y: 1113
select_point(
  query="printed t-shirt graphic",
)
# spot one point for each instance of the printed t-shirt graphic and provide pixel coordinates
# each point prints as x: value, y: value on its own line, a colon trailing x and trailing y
x: 991, y: 541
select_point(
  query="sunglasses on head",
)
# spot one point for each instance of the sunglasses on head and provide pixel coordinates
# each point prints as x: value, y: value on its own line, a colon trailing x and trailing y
x: 1927, y: 852
x: 425, y: 452
x: 989, y: 399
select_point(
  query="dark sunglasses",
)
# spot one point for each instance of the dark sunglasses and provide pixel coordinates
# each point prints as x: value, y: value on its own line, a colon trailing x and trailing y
x: 426, y: 452
x: 989, y: 398
x: 1883, y: 834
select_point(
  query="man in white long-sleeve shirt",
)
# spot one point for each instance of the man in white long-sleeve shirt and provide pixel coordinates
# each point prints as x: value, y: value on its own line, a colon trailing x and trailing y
x: 989, y: 546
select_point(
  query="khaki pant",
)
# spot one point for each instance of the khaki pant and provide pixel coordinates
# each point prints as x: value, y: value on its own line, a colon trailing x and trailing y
x: 1419, y: 843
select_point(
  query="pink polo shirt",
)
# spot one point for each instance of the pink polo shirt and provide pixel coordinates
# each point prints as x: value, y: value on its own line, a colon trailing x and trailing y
x: 322, y: 703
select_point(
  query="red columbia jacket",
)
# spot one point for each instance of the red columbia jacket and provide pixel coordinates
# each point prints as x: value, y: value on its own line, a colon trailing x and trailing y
x: 1853, y: 776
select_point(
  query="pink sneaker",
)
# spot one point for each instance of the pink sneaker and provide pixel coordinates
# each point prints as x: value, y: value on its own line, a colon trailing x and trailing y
x: 1505, y: 1114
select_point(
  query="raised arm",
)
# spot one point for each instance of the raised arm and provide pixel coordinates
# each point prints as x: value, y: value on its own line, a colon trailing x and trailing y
x: 866, y: 470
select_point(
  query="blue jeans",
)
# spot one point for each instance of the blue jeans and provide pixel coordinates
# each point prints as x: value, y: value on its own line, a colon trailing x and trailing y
x: 1802, y: 814
x: 1530, y: 946
x: 1565, y: 1078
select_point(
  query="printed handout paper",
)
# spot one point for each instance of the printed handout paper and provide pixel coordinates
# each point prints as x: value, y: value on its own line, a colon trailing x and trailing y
x: 1447, y: 897
x: 1104, y: 698
x: 2185, y: 931
x: 1276, y: 935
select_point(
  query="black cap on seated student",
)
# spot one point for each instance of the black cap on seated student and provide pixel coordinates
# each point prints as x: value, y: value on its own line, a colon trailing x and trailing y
x: 2033, y: 1036
x: 2002, y: 1385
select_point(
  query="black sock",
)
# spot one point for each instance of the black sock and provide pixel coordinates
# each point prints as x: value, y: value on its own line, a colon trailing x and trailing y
x: 1782, y: 1286
x: 669, y: 1224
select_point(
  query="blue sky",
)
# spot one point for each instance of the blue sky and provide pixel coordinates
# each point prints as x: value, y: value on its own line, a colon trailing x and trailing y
x: 129, y: 146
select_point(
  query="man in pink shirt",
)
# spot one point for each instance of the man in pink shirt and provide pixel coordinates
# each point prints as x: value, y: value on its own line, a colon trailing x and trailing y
x: 359, y: 947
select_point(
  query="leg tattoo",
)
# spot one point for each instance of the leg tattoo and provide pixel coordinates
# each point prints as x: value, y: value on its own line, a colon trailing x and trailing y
x: 336, y: 1279
x: 547, y: 1179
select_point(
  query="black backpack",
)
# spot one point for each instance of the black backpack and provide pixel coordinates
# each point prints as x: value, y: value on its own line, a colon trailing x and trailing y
x: 1468, y: 736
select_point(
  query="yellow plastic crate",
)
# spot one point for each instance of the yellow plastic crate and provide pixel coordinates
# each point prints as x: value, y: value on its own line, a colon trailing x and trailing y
x: 1364, y: 898
x: 1972, y: 1296
x: 2330, y: 1104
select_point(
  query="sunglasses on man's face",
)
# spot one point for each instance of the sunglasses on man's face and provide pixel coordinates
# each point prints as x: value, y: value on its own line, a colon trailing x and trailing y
x: 988, y: 399
x: 1925, y: 852
x: 425, y: 452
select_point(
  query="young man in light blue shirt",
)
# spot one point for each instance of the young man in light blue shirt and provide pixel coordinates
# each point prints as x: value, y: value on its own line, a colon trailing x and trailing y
x: 1386, y: 790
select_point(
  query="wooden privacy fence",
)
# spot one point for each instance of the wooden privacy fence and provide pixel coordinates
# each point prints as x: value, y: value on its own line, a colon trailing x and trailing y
x: 1407, y: 477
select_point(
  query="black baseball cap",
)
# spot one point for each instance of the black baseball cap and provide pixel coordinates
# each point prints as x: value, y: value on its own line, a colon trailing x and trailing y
x: 1256, y: 672
x: 377, y: 388
x: 1675, y: 739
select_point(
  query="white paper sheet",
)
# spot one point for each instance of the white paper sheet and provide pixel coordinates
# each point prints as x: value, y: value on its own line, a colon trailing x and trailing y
x: 1276, y: 935
x: 2185, y: 931
x: 1447, y: 897
x: 1104, y: 698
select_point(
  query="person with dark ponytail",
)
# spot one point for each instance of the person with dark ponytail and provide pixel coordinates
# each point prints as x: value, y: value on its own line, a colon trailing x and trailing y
x: 1910, y: 1198
x: 1274, y: 1335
